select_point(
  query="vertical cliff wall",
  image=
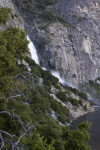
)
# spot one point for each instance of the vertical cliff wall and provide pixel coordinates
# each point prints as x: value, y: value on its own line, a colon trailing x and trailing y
x: 71, y: 45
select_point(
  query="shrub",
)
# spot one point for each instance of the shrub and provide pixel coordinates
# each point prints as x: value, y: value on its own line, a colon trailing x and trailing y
x: 62, y: 112
x: 91, y: 103
x: 48, y: 16
x: 73, y: 101
x: 4, y: 15
x: 38, y: 143
x: 85, y: 107
x: 46, y: 75
x: 42, y: 42
x: 47, y: 83
x: 40, y: 6
x: 47, y: 2
x: 30, y: 102
x: 61, y: 20
x: 17, y: 43
x: 13, y: 46
x: 81, y: 94
x: 62, y: 96
x: 80, y: 102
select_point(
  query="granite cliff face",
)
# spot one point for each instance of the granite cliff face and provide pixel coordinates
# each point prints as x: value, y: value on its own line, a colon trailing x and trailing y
x: 15, y: 19
x: 84, y: 46
x: 73, y: 50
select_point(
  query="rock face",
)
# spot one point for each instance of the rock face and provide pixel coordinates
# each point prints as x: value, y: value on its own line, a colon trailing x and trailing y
x: 15, y: 20
x: 73, y: 50
x: 76, y: 111
x: 84, y: 50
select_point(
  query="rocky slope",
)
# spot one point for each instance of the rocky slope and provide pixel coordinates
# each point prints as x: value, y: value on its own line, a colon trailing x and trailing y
x: 34, y: 108
x: 83, y: 108
x: 15, y: 19
x: 73, y: 50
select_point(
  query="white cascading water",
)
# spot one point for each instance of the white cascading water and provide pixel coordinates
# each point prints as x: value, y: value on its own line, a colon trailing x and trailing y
x: 57, y: 74
x: 35, y: 57
x: 33, y: 51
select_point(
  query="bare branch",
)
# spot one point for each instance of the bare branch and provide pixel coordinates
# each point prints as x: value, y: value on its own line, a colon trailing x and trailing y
x: 31, y: 127
x: 24, y: 126
x: 18, y: 95
x: 5, y: 112
x: 14, y: 144
x: 7, y: 133
x: 2, y: 141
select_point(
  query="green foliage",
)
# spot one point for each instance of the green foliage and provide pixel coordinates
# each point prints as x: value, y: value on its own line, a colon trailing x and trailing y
x: 74, y: 76
x: 7, y: 62
x: 4, y: 15
x: 73, y: 101
x: 36, y: 142
x: 13, y: 47
x: 62, y: 96
x: 40, y: 6
x: 81, y: 94
x: 48, y: 78
x: 91, y: 103
x: 77, y: 139
x: 93, y: 88
x: 48, y: 16
x: 47, y: 83
x: 17, y: 43
x: 47, y: 2
x: 85, y: 107
x: 46, y: 75
x: 22, y: 97
x: 84, y: 126
x: 63, y: 21
x: 80, y: 102
x: 62, y: 112
x: 42, y: 42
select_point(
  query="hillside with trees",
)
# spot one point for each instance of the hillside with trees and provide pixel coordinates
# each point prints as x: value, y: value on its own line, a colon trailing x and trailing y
x: 26, y: 104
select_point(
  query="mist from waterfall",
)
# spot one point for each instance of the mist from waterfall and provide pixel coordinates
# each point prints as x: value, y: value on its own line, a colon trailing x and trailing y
x: 57, y: 74
x: 35, y: 57
x: 33, y: 51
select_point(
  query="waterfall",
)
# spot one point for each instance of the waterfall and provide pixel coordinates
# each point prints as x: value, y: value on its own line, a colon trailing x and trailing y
x: 33, y: 51
x: 57, y: 74
x: 35, y: 57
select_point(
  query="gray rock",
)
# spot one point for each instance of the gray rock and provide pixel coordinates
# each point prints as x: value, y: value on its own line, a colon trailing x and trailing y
x: 40, y: 82
x: 73, y: 50
x: 16, y: 20
x: 54, y: 90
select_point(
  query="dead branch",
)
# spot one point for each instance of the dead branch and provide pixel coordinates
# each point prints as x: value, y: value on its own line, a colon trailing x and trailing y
x: 31, y: 127
x: 12, y: 142
x: 18, y: 95
x: 24, y: 126
x: 7, y: 133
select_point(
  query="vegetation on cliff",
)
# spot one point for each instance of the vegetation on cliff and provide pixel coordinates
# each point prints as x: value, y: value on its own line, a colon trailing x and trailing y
x: 26, y: 105
x: 41, y: 11
x: 4, y: 15
x: 93, y: 88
